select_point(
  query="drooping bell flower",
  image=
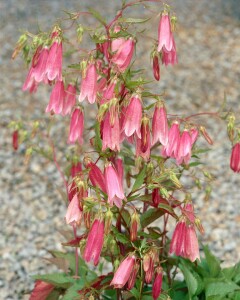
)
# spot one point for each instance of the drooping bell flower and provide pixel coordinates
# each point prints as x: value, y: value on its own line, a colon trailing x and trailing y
x: 89, y: 84
x: 41, y: 290
x: 118, y: 164
x: 194, y: 135
x: 76, y: 169
x: 123, y: 56
x: 184, y: 241
x: 235, y: 158
x: 69, y: 100
x: 15, y: 140
x: 143, y: 145
x: 160, y: 125
x: 37, y: 71
x: 133, y: 276
x: 165, y: 36
x: 157, y: 284
x: 94, y: 243
x: 40, y: 66
x: 96, y: 176
x: 156, y: 67
x: 113, y: 185
x: 149, y: 259
x: 57, y: 96
x: 54, y: 62
x: 109, y: 92
x: 133, y: 116
x: 116, y: 43
x: 188, y: 211
x: 111, y: 130
x: 76, y: 127
x: 170, y: 57
x: 74, y: 213
x: 123, y: 272
x: 184, y: 148
x: 171, y: 149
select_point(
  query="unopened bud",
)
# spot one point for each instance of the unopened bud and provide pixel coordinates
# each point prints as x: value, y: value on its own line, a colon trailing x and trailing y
x: 205, y: 135
x: 134, y: 226
x: 19, y: 46
x: 208, y: 191
x: 198, y: 183
x: 146, y: 262
x: 108, y: 221
x: 175, y: 180
x: 15, y: 140
x: 207, y: 175
x: 102, y: 111
x: 230, y: 127
x: 87, y: 217
x: 199, y: 225
x: 80, y: 31
x: 164, y: 193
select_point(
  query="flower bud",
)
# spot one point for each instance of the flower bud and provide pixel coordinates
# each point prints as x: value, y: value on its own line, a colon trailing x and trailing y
x: 175, y: 180
x: 235, y: 158
x: 135, y: 221
x: 205, y: 135
x: 133, y: 276
x: 15, y: 140
x: 80, y: 31
x: 156, y: 68
x: 230, y: 127
x: 157, y: 284
x: 108, y: 222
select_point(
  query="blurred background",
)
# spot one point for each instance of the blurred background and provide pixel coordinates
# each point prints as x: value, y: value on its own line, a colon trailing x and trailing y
x: 32, y: 211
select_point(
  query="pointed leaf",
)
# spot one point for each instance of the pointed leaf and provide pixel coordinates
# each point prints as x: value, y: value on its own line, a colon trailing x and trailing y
x: 56, y: 279
x: 150, y: 216
x: 213, y: 262
x: 140, y: 179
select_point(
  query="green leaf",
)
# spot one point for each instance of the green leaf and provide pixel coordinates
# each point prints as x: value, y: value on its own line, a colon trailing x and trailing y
x: 119, y: 236
x: 220, y: 289
x: 54, y: 295
x: 56, y: 279
x: 193, y: 280
x: 97, y: 16
x: 195, y: 163
x: 140, y: 179
x: 135, y: 293
x: 72, y: 292
x: 150, y: 216
x: 213, y: 262
x: 133, y: 20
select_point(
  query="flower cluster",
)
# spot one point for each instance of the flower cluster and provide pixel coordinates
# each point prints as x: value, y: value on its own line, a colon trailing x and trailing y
x: 134, y: 154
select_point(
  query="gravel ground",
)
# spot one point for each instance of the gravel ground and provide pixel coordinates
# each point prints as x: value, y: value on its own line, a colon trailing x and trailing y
x: 31, y: 207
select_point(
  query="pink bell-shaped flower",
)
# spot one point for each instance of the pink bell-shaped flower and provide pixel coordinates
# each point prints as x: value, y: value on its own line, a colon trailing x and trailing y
x: 235, y: 158
x: 76, y: 127
x: 89, y: 84
x: 76, y: 169
x: 160, y: 125
x: 40, y: 67
x: 111, y: 132
x: 74, y: 213
x: 165, y: 36
x: 113, y: 185
x: 95, y: 241
x: 171, y: 149
x: 123, y: 272
x: 184, y: 241
x: 41, y: 290
x: 123, y: 56
x: 133, y: 116
x: 54, y: 62
x: 69, y: 100
x: 157, y: 284
x: 143, y: 145
x: 96, y: 176
x: 184, y: 148
x: 156, y: 68
x: 56, y: 98
x: 169, y: 57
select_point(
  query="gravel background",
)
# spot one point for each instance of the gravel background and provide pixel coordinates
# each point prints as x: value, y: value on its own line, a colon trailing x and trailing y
x: 31, y: 207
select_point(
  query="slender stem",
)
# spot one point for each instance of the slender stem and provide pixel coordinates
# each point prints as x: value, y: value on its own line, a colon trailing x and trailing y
x: 76, y: 251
